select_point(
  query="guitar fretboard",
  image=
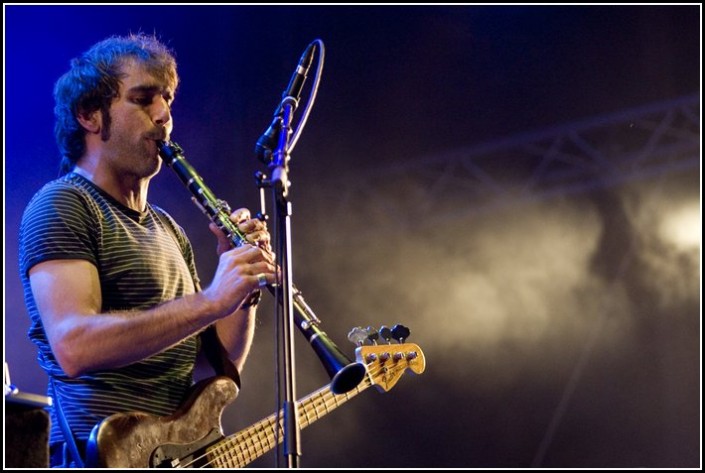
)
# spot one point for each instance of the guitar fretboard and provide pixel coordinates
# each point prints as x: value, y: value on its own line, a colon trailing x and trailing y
x: 241, y: 448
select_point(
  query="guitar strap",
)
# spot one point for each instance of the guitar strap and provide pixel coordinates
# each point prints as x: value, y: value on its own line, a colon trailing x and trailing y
x: 217, y: 355
x: 69, y: 439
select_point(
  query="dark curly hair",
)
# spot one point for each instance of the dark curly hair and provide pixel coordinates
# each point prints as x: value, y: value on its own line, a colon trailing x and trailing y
x: 93, y: 82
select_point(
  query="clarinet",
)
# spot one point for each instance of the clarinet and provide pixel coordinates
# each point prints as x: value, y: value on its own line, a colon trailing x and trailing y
x: 345, y: 374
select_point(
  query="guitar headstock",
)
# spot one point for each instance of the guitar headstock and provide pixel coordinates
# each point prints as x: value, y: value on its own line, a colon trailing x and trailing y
x: 388, y: 361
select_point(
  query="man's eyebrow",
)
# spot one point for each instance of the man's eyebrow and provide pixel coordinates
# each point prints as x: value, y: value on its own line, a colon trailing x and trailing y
x: 151, y: 89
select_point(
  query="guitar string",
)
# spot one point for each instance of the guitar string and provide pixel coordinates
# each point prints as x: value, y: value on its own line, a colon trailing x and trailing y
x: 226, y: 450
x: 250, y: 450
x: 247, y: 453
x: 245, y: 456
x: 324, y: 399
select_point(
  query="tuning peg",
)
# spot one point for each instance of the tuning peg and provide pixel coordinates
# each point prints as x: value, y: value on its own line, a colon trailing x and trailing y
x: 358, y: 335
x: 385, y: 333
x: 400, y: 333
x: 372, y: 335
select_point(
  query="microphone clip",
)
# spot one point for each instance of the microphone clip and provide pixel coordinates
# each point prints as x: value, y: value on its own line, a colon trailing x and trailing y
x: 290, y: 98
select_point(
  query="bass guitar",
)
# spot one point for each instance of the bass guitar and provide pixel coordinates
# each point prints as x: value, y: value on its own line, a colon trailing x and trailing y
x: 193, y: 437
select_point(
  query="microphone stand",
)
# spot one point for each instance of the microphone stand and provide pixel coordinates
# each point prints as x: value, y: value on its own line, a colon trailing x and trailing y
x: 279, y: 181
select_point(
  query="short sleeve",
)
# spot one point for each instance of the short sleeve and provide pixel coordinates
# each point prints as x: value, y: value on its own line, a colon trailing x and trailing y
x: 58, y: 224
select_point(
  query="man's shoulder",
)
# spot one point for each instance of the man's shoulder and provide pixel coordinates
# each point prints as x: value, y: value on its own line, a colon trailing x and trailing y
x: 64, y: 192
x: 67, y: 185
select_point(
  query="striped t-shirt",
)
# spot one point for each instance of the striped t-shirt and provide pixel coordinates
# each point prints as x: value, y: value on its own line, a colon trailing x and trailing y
x: 143, y: 259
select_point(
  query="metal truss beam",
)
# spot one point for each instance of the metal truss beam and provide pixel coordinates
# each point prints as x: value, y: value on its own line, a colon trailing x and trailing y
x: 605, y: 151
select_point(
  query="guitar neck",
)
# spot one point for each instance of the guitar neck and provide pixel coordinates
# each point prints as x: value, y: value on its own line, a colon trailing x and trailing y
x: 245, y: 446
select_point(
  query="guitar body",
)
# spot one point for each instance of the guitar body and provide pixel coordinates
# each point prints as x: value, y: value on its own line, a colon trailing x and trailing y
x: 140, y: 440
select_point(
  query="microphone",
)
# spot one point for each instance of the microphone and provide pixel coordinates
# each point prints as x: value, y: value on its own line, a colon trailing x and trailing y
x: 266, y: 142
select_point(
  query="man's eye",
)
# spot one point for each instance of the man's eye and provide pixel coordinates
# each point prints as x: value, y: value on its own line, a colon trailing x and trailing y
x: 143, y: 100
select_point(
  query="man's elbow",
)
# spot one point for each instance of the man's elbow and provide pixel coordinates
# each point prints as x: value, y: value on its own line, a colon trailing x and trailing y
x: 70, y: 356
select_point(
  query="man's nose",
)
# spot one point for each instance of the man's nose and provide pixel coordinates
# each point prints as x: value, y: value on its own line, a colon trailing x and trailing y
x: 162, y: 112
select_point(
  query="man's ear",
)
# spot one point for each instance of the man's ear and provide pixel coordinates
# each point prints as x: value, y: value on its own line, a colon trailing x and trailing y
x: 92, y: 121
